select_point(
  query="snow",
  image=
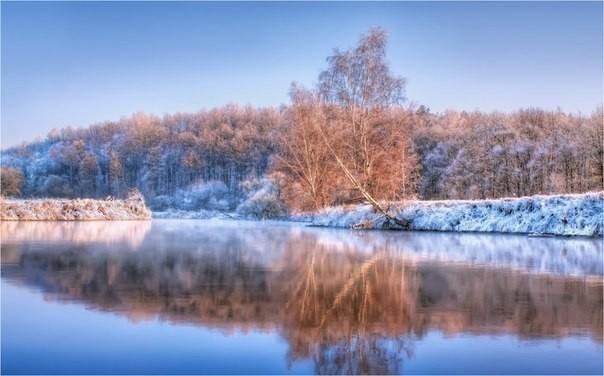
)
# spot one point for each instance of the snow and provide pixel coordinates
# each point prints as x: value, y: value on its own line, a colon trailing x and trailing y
x: 262, y: 200
x: 73, y: 210
x: 194, y: 214
x: 569, y: 215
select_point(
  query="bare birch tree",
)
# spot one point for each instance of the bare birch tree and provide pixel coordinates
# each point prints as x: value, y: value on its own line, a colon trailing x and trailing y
x: 358, y: 90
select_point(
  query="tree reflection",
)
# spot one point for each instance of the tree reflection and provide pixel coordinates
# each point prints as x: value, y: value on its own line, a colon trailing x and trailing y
x: 350, y: 311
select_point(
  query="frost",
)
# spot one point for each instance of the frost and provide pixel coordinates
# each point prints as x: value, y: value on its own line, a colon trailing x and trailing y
x: 74, y: 210
x: 207, y: 196
x: 196, y: 214
x: 573, y: 215
x: 262, y: 200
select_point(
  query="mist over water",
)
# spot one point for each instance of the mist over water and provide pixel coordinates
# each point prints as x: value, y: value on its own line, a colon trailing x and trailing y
x: 174, y: 296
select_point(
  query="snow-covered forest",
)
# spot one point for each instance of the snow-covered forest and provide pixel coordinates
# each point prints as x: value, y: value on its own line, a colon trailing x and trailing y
x: 198, y: 159
x: 191, y: 161
x: 353, y: 135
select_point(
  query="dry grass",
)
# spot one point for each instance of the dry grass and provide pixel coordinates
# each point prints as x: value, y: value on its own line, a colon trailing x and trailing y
x: 73, y: 210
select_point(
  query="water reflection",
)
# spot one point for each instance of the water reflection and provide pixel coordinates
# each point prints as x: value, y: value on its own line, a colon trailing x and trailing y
x: 565, y: 256
x: 351, y: 302
x: 122, y: 233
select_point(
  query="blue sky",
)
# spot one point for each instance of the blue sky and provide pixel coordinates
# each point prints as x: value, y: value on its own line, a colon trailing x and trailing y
x: 73, y: 64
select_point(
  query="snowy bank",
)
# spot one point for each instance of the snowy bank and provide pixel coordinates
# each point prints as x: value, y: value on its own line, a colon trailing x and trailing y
x: 195, y: 214
x: 73, y: 210
x: 569, y: 215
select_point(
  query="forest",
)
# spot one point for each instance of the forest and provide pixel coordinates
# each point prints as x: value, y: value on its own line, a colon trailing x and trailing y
x: 352, y: 137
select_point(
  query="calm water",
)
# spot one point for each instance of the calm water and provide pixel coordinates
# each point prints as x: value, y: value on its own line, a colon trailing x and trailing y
x: 182, y: 297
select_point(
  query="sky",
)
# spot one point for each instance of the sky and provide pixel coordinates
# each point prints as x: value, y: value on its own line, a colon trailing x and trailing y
x: 75, y: 63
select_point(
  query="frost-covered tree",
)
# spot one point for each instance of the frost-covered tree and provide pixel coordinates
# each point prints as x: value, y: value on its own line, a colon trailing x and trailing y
x: 262, y: 199
x: 11, y: 181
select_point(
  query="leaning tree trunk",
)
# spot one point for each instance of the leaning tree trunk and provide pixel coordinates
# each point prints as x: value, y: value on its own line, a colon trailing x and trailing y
x: 404, y: 224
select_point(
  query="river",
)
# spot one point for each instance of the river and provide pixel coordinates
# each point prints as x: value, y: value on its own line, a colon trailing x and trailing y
x: 211, y: 296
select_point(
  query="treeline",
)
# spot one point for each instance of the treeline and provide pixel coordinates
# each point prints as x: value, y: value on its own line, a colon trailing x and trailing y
x: 157, y: 155
x: 351, y: 138
x: 489, y: 155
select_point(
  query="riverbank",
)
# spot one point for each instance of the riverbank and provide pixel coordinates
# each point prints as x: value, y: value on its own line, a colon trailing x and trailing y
x: 563, y: 215
x: 195, y: 214
x: 132, y: 208
x: 567, y: 215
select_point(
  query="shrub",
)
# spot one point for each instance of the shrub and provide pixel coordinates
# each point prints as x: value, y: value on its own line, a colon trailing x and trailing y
x: 11, y: 181
x: 213, y: 195
x: 262, y: 199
